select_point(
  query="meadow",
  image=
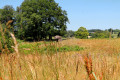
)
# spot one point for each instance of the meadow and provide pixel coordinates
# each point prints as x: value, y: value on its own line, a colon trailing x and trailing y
x: 30, y: 34
x: 72, y: 59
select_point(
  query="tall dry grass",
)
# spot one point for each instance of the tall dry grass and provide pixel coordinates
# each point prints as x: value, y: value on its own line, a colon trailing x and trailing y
x: 99, y: 61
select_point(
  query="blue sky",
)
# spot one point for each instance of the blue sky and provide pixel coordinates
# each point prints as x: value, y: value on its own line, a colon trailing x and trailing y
x: 91, y: 14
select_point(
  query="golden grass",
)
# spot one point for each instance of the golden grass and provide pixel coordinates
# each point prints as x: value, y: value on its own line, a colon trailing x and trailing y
x: 102, y: 63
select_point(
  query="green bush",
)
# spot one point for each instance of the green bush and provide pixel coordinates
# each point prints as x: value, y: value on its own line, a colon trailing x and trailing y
x: 6, y: 41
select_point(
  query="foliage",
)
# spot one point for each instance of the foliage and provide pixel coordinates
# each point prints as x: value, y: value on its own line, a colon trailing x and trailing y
x: 94, y: 30
x: 118, y: 35
x: 116, y: 31
x: 69, y: 33
x: 110, y: 30
x: 81, y: 33
x: 97, y: 33
x: 7, y: 13
x: 6, y: 42
x: 100, y: 34
x: 37, y: 19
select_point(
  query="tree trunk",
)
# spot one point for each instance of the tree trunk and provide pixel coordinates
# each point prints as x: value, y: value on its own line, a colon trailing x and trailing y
x: 50, y: 37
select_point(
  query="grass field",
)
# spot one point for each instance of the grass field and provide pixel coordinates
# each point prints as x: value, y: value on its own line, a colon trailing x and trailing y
x: 73, y: 59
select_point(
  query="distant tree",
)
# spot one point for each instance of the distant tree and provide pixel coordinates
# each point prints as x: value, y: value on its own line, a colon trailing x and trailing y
x: 106, y: 34
x: 100, y: 34
x: 94, y: 30
x: 38, y: 19
x: 82, y: 33
x: 69, y: 33
x: 111, y: 32
x: 118, y: 35
x: 116, y: 31
x: 7, y: 13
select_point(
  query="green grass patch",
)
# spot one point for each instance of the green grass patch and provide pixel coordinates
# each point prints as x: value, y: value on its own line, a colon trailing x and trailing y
x: 29, y: 48
x: 70, y: 48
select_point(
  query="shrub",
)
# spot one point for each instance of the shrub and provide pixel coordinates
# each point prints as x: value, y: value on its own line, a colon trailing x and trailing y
x: 6, y: 41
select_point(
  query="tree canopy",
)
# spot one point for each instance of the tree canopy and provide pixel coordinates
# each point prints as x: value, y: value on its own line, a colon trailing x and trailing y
x: 7, y: 13
x: 82, y: 33
x: 38, y: 19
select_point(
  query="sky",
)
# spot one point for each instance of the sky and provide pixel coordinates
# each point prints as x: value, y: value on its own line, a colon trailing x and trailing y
x: 91, y: 14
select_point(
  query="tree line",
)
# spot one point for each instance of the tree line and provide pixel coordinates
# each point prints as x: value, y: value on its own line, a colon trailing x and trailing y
x: 83, y: 33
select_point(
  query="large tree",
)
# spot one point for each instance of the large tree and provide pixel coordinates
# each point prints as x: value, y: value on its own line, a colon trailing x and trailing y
x: 41, y: 18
